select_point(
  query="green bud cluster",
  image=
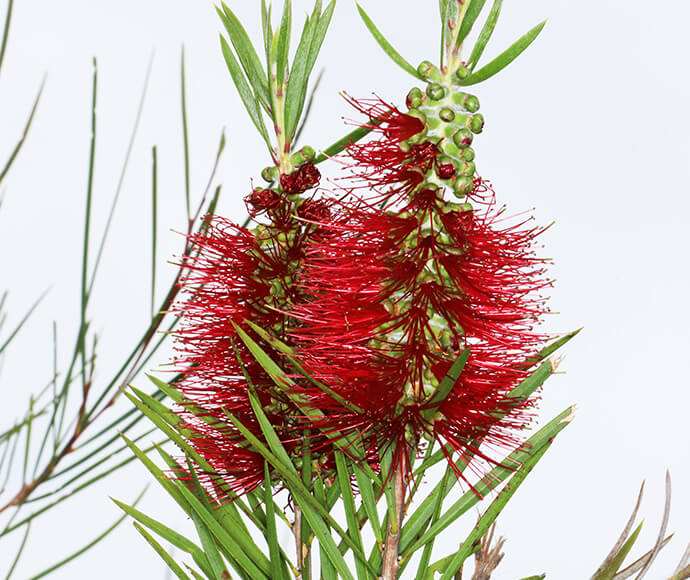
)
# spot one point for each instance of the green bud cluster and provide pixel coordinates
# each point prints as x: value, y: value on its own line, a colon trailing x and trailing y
x: 451, y: 120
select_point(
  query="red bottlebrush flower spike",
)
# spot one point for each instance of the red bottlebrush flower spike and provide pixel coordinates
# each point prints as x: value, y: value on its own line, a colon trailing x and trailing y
x: 396, y: 297
x: 232, y: 275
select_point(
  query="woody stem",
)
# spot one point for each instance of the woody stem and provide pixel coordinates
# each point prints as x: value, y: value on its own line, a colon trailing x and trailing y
x: 390, y: 565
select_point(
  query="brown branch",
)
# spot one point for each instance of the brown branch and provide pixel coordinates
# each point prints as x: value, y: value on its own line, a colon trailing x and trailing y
x: 390, y: 564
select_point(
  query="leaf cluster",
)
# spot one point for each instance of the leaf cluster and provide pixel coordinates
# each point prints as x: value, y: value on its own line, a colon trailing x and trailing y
x: 227, y: 525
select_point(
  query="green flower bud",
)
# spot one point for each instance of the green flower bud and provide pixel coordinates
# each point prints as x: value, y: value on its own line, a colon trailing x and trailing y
x: 467, y: 154
x: 462, y: 186
x: 270, y: 174
x: 428, y: 70
x: 477, y: 123
x: 463, y: 137
x: 462, y: 73
x: 468, y: 102
x: 302, y: 156
x: 415, y: 98
x: 467, y: 169
x: 447, y: 114
x: 435, y: 91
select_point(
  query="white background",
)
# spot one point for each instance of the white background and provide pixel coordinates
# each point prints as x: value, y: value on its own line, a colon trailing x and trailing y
x: 590, y: 127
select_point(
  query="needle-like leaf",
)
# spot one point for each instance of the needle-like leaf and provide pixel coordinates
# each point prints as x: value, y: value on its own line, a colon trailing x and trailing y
x: 387, y: 47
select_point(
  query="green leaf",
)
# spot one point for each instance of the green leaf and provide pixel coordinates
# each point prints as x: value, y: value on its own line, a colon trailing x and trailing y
x: 323, y: 22
x: 471, y: 14
x: 249, y: 59
x: 174, y: 435
x: 285, y: 349
x: 344, y: 142
x: 25, y: 133
x: 185, y: 136
x: 165, y: 481
x: 553, y: 347
x: 167, y: 558
x: 19, y: 553
x: 505, y: 58
x: 316, y: 514
x: 328, y: 572
x: 283, y: 42
x: 235, y: 541
x: 387, y: 47
x: 210, y: 548
x: 366, y: 491
x: 319, y: 26
x: 175, y: 538
x: 470, y: 545
x: 506, y: 469
x: 271, y: 535
x: 485, y: 34
x: 448, y: 382
x: 299, y: 79
x: 343, y: 476
x: 437, y: 498
x: 617, y: 561
x: 442, y: 8
x: 244, y: 90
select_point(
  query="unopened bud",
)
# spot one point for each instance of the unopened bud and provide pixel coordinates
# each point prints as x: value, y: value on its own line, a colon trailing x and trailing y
x: 435, y: 91
x: 302, y: 156
x: 462, y: 73
x: 463, y: 138
x: 477, y: 123
x: 467, y: 169
x: 415, y: 98
x: 270, y: 174
x: 447, y: 114
x: 429, y: 71
x: 467, y: 154
x: 468, y: 102
x: 462, y: 186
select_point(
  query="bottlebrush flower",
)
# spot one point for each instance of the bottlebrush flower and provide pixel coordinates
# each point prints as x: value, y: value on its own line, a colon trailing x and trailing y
x: 396, y: 295
x: 235, y: 274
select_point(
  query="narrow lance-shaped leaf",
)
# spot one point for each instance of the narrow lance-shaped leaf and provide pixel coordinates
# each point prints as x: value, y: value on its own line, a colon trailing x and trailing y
x: 176, y: 539
x: 328, y: 572
x: 505, y: 58
x: 488, y: 518
x: 448, y: 382
x: 315, y: 513
x: 387, y: 47
x: 348, y: 496
x: 25, y: 134
x: 616, y: 562
x: 249, y: 59
x: 271, y: 535
x: 240, y: 546
x: 167, y: 558
x: 471, y: 14
x: 299, y: 78
x: 409, y: 541
x: 244, y: 90
x: 485, y: 34
x: 283, y: 43
x: 210, y: 548
x: 318, y: 27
